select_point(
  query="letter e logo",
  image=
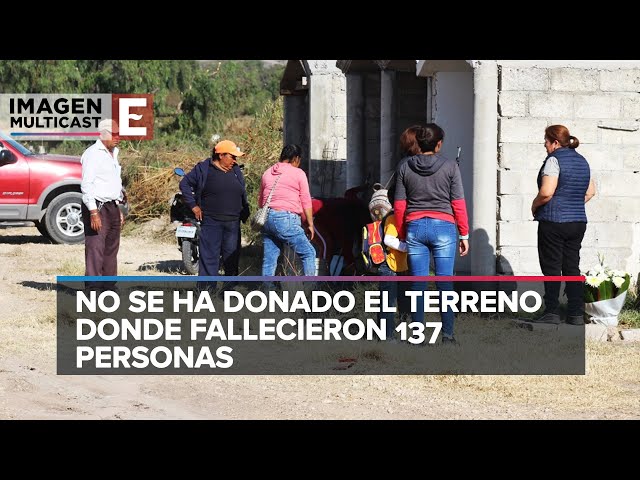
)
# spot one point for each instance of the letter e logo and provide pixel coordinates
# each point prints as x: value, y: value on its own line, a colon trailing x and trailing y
x: 134, y: 114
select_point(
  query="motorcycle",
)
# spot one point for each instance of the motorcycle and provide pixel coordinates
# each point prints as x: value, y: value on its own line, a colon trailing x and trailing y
x: 188, y: 232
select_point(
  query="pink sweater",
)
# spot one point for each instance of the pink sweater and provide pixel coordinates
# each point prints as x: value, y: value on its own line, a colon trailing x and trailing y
x: 292, y: 191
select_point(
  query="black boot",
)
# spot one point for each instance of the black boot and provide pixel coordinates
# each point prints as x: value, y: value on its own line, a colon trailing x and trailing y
x: 553, y: 318
x: 575, y: 319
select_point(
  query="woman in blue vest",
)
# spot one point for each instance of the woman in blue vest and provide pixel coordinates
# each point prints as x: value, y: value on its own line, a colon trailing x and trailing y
x: 564, y: 186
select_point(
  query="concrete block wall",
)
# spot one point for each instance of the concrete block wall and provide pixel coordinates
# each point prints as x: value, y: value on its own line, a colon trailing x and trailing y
x: 600, y: 104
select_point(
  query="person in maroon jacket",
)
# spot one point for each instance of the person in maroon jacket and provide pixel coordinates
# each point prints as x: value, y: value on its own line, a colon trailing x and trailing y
x: 431, y: 214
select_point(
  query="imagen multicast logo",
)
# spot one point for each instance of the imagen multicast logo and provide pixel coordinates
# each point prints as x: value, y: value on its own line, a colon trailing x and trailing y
x: 59, y: 116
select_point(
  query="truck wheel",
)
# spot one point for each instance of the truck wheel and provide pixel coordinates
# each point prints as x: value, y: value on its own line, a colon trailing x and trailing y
x: 42, y: 229
x: 190, y: 257
x: 63, y: 219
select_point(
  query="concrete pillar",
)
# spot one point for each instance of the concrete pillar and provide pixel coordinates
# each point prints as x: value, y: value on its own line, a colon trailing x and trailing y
x: 485, y: 147
x: 296, y: 113
x: 327, y: 171
x: 372, y: 125
x: 454, y: 113
x: 387, y: 124
x: 355, y: 130
x: 429, y: 103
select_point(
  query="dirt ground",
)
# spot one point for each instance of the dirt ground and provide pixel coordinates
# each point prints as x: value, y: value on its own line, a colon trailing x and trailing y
x: 30, y: 388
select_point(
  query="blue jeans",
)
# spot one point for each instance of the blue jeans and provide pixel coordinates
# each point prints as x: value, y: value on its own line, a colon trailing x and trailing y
x: 395, y: 291
x: 425, y: 237
x: 284, y: 228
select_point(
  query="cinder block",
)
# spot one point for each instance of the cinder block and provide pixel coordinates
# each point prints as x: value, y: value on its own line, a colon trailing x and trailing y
x: 522, y: 156
x: 605, y: 209
x: 513, y: 104
x: 602, y: 157
x: 616, y: 185
x: 612, y: 137
x: 574, y: 79
x: 597, y: 106
x: 620, y: 80
x: 631, y: 106
x: 520, y: 182
x: 631, y: 157
x: 585, y: 130
x: 614, y: 257
x: 588, y: 257
x: 522, y: 130
x: 524, y: 78
x: 613, y: 209
x: 628, y: 211
x: 518, y: 260
x: 515, y: 207
x: 551, y: 104
x: 619, y: 137
x: 613, y: 234
x: 633, y: 138
x: 518, y: 234
x: 589, y: 234
x: 615, y: 137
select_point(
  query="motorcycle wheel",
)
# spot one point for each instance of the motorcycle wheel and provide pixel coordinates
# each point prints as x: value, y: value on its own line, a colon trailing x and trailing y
x: 190, y: 257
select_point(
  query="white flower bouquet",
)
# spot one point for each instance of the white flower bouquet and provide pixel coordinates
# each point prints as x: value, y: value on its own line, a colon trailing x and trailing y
x: 605, y: 291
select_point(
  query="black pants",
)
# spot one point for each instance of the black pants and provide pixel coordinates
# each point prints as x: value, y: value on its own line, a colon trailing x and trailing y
x: 559, y: 253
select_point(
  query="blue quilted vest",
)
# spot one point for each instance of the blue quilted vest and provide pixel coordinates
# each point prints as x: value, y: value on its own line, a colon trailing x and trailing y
x: 567, y: 204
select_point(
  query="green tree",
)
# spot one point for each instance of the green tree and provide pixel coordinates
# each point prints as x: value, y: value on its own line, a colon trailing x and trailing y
x: 40, y: 76
x: 227, y: 90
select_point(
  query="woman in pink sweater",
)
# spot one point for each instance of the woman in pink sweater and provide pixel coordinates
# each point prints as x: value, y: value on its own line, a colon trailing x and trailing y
x: 290, y: 198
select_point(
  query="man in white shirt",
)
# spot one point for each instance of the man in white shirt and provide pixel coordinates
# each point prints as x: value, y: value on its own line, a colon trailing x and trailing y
x: 101, y: 194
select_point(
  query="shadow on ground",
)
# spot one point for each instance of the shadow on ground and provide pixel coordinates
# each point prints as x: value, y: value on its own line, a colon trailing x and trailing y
x: 47, y: 286
x: 24, y: 239
x: 31, y: 235
x: 250, y: 263
x: 164, y: 266
x: 251, y: 260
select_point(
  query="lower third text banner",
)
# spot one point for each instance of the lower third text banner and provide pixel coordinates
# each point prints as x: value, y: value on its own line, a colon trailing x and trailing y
x: 311, y: 326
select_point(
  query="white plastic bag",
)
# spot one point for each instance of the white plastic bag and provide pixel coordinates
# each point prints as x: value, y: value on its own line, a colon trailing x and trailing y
x: 605, y: 312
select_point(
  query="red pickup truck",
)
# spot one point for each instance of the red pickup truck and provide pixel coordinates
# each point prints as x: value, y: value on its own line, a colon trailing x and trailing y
x: 44, y: 189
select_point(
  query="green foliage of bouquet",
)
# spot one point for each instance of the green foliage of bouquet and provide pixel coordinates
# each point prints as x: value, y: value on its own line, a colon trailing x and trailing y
x: 603, y: 283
